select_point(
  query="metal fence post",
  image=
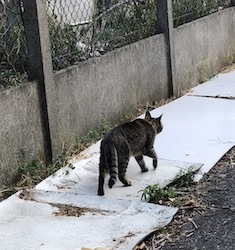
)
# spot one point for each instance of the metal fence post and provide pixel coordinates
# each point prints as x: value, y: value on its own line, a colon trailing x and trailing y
x: 39, y: 59
x: 165, y: 25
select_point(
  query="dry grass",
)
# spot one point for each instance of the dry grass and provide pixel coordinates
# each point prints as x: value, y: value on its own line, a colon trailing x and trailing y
x: 228, y: 69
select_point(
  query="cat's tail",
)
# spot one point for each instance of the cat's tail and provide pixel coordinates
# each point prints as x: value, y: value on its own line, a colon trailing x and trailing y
x: 112, y: 161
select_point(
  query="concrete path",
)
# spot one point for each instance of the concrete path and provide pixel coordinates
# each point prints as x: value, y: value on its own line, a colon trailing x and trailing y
x: 64, y: 211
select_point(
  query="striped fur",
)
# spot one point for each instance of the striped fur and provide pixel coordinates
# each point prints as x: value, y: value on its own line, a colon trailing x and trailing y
x: 134, y: 138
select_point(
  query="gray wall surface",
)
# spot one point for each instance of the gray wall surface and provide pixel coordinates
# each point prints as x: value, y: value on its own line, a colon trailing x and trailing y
x: 21, y: 131
x: 202, y: 48
x: 107, y: 87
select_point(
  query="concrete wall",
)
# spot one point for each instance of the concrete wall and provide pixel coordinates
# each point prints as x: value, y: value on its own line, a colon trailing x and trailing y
x: 106, y: 87
x: 21, y: 131
x: 202, y: 48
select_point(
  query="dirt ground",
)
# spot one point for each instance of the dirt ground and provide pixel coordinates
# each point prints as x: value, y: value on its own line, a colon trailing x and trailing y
x: 206, y: 218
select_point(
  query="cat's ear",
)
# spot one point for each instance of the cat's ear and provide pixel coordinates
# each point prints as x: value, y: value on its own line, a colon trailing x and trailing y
x: 147, y: 115
x: 160, y: 117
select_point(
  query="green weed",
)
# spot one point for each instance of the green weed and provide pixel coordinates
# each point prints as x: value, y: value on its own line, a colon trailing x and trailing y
x: 34, y: 172
x: 81, y: 143
x: 185, y: 178
x: 154, y: 193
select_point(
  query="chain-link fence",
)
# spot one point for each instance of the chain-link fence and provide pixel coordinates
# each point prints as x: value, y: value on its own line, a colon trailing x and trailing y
x: 80, y: 29
x: 187, y: 10
x: 86, y: 28
x: 13, y: 49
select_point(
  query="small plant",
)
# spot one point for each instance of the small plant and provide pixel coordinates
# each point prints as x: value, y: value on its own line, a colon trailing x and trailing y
x: 154, y: 193
x: 105, y: 126
x: 81, y: 143
x: 62, y: 160
x: 34, y: 172
x: 185, y: 178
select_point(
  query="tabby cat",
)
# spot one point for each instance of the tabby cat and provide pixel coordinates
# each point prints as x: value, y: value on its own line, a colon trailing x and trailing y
x: 134, y: 138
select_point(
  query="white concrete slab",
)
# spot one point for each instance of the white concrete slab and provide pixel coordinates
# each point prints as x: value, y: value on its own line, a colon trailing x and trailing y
x: 196, y: 129
x: 33, y: 224
x: 83, y: 179
x: 222, y: 85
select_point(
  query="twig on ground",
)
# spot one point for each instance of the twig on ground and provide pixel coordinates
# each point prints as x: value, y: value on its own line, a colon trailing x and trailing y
x: 194, y: 224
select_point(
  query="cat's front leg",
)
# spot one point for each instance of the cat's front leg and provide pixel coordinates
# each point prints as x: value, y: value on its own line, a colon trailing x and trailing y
x: 152, y: 153
x: 101, y: 185
x: 155, y: 163
x: 140, y: 160
x: 102, y: 174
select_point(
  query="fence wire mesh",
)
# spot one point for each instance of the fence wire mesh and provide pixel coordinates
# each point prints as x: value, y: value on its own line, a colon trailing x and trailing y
x: 80, y: 29
x: 186, y: 10
x: 13, y: 48
x: 86, y: 28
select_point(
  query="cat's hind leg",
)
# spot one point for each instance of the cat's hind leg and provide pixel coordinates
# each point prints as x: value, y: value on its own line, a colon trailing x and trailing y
x: 122, y: 166
x: 140, y: 160
x: 102, y: 173
x: 101, y: 182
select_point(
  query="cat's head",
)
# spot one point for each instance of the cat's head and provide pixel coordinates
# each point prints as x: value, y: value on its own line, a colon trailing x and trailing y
x: 156, y: 122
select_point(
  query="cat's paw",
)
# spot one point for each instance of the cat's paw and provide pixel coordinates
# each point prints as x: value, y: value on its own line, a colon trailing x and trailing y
x: 112, y: 181
x: 155, y: 163
x: 128, y: 183
x: 100, y: 192
x: 145, y: 169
